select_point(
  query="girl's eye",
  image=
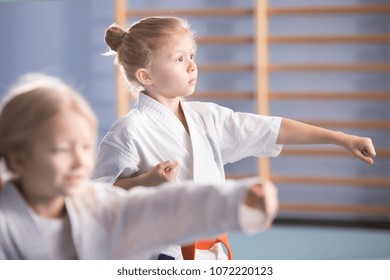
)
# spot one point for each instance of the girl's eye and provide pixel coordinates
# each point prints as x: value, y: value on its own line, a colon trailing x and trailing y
x: 192, y: 57
x: 87, y: 147
x: 60, y: 149
x: 180, y: 59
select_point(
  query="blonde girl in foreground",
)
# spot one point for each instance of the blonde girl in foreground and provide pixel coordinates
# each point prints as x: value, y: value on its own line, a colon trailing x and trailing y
x: 157, y: 56
x: 50, y: 209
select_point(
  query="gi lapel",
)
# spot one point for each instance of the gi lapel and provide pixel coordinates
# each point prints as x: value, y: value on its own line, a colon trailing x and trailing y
x: 204, y: 171
x: 166, y: 118
x: 204, y: 168
x: 27, y: 240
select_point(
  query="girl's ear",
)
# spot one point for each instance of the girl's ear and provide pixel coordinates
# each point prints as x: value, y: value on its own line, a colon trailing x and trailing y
x: 16, y: 162
x: 143, y: 77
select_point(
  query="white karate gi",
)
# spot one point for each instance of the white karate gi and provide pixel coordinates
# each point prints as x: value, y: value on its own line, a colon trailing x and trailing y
x: 111, y: 223
x: 150, y: 134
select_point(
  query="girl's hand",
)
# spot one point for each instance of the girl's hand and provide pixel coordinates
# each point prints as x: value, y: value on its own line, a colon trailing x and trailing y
x: 360, y: 147
x: 165, y: 171
x: 264, y: 198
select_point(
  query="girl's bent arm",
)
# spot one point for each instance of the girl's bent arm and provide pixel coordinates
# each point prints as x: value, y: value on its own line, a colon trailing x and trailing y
x: 165, y: 171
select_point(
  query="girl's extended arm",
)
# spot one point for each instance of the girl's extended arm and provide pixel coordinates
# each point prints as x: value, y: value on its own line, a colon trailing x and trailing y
x: 295, y: 133
x: 147, y: 219
x: 163, y: 172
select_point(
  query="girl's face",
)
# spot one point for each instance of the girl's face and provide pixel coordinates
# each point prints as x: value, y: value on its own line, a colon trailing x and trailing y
x: 61, y: 157
x: 173, y: 70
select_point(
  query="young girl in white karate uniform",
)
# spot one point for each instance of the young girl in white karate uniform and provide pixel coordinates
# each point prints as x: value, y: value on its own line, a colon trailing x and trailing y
x: 156, y: 55
x: 50, y: 209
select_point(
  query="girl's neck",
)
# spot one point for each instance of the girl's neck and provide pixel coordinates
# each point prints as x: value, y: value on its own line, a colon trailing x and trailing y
x: 49, y: 207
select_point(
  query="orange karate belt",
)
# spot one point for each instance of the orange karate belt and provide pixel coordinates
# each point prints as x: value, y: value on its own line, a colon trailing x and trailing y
x: 189, y: 251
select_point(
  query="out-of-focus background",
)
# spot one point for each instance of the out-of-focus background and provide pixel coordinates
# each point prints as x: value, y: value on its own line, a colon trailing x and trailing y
x: 325, y: 62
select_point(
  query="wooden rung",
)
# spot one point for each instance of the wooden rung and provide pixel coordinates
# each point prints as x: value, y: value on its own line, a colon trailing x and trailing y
x: 340, y: 181
x: 120, y: 16
x: 230, y: 40
x: 239, y: 175
x: 240, y: 67
x: 238, y: 11
x: 233, y: 11
x: 354, y: 181
x: 225, y: 40
x: 226, y: 67
x: 368, y: 38
x: 359, y: 124
x: 380, y: 210
x: 363, y: 67
x: 361, y: 9
x: 225, y: 95
x: 356, y: 96
x: 327, y: 152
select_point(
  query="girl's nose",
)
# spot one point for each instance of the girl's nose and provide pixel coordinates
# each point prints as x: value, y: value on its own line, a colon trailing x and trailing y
x: 77, y: 158
x: 191, y: 66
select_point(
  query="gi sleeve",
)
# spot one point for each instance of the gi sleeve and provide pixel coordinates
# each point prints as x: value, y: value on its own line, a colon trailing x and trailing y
x: 147, y: 219
x: 115, y: 158
x: 244, y: 134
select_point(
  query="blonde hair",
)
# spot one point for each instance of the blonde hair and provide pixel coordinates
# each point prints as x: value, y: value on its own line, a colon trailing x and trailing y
x: 134, y: 48
x: 35, y: 99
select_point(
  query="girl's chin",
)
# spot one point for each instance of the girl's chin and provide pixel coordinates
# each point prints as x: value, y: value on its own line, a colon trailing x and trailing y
x: 189, y: 94
x: 72, y: 189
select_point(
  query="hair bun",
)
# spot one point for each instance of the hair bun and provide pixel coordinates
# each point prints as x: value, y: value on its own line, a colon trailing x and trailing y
x: 114, y: 36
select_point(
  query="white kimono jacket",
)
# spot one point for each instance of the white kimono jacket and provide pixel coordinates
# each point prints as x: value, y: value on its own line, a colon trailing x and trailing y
x: 150, y: 134
x: 110, y: 223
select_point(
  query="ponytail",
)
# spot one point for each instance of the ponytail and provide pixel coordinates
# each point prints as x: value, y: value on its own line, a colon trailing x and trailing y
x: 114, y: 37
